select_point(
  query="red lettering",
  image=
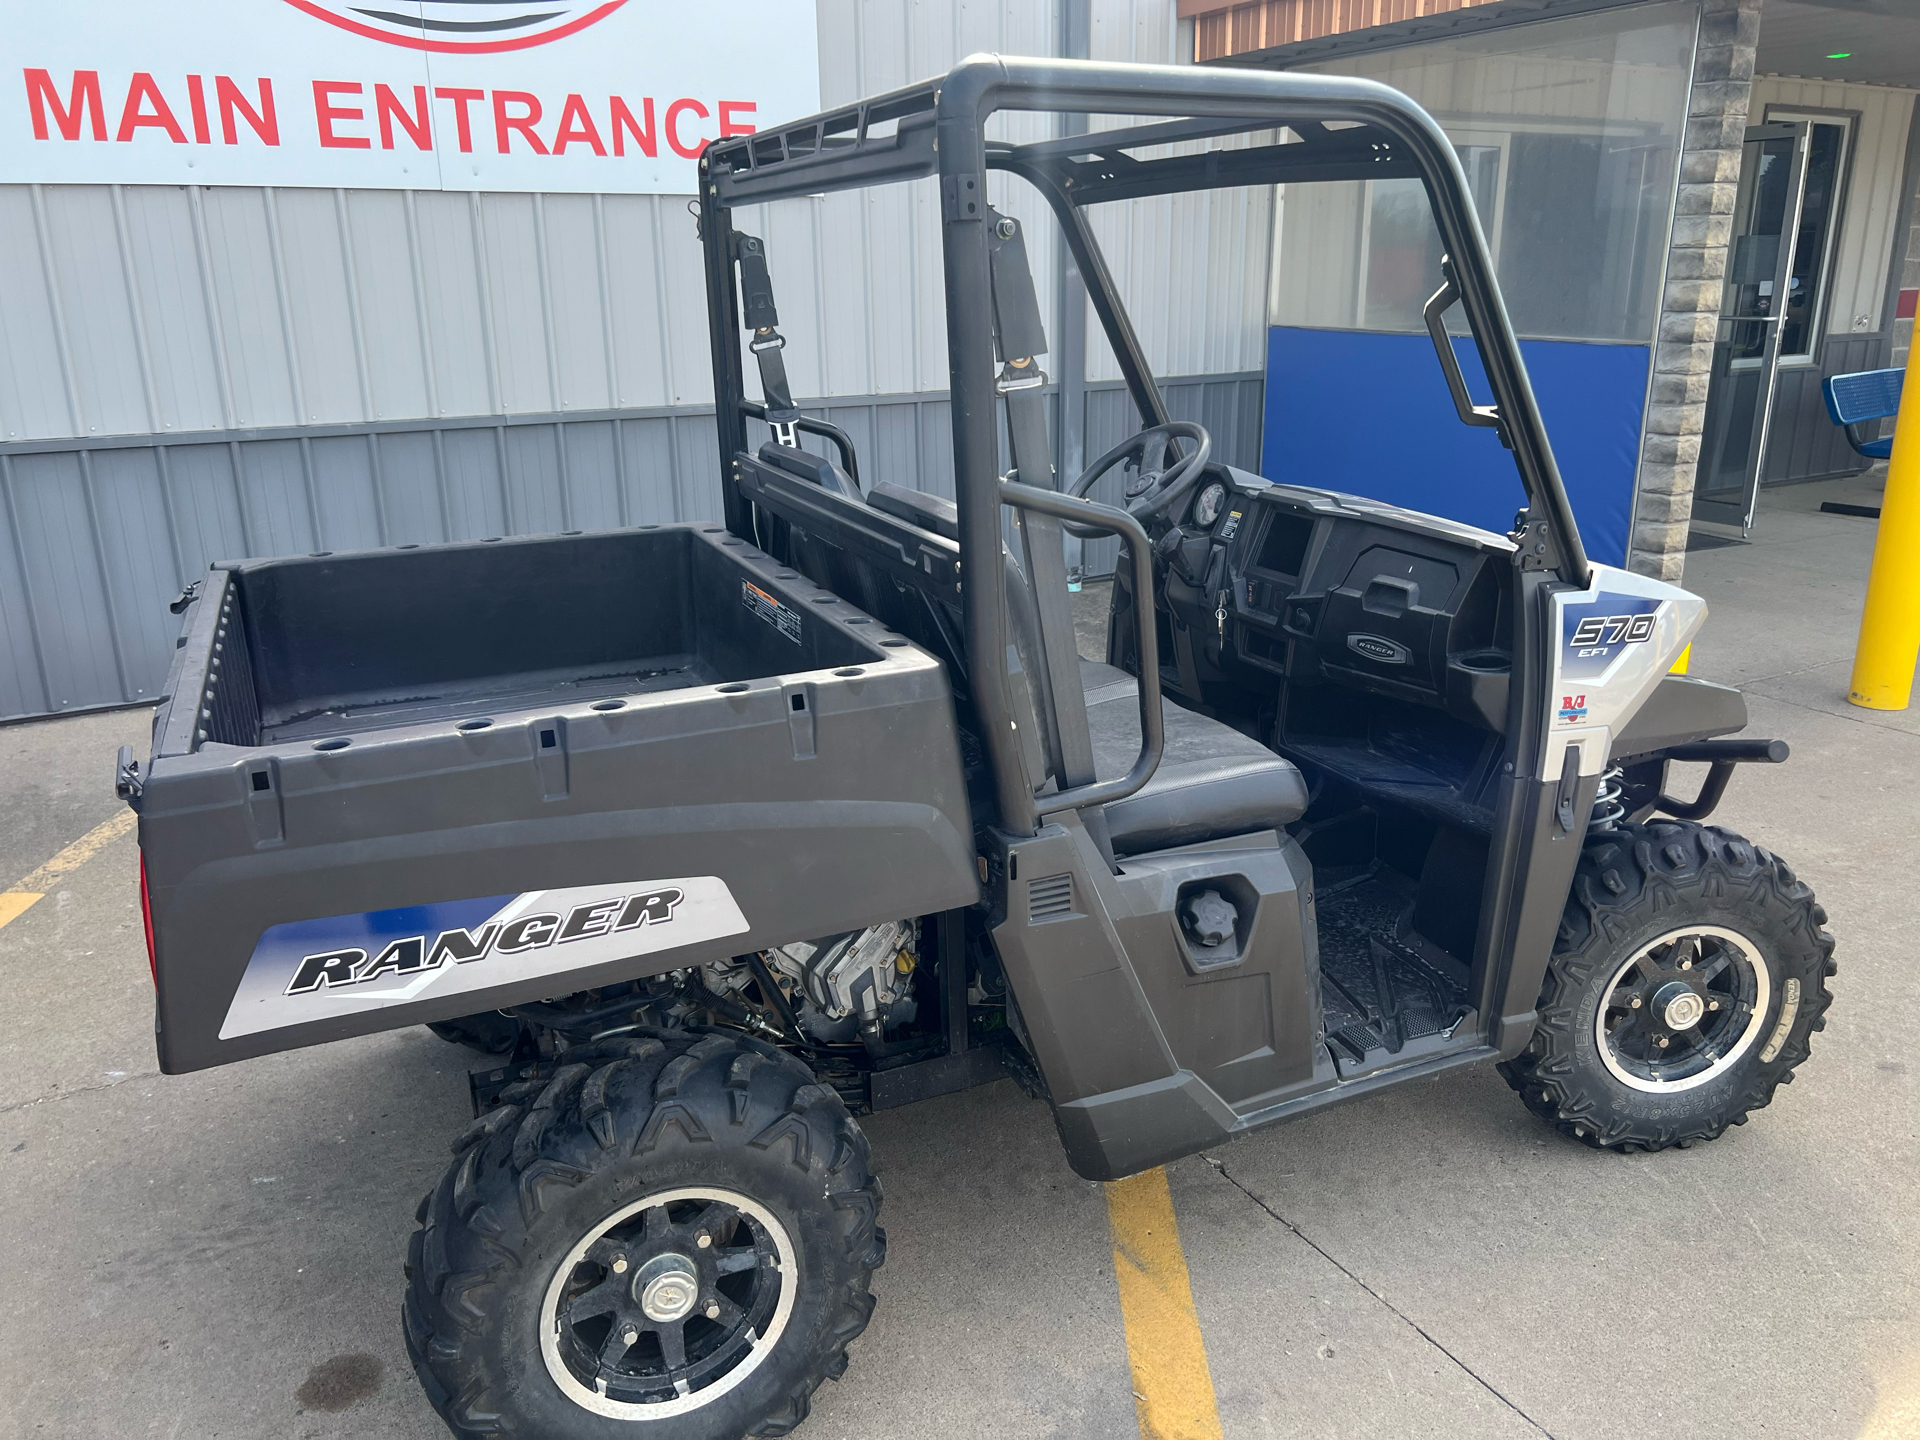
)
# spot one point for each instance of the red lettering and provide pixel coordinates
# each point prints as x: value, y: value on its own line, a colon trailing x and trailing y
x: 414, y: 122
x: 731, y: 126
x: 577, y: 124
x: 674, y: 112
x: 461, y: 99
x: 503, y: 122
x: 197, y: 103
x: 86, y: 91
x: 328, y: 113
x: 622, y: 121
x: 264, y: 122
x: 135, y: 116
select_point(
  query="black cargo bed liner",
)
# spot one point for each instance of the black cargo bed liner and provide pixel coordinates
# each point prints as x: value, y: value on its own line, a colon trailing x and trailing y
x: 317, y: 647
x: 533, y: 690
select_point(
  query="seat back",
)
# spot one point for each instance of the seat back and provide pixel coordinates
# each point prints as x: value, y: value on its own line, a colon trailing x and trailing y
x: 893, y: 556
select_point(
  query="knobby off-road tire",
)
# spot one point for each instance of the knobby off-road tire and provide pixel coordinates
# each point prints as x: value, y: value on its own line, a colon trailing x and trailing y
x: 717, y: 1125
x: 1605, y: 1065
x: 489, y: 1032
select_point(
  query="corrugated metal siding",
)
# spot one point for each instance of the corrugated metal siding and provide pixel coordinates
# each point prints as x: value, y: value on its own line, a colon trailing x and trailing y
x: 155, y: 309
x: 1803, y: 443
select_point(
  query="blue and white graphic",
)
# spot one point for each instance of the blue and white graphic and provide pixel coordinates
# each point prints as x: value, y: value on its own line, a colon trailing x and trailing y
x: 1614, y: 643
x: 1595, y: 633
x: 346, y: 964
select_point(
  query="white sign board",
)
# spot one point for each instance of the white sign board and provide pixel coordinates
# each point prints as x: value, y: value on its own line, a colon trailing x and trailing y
x: 602, y: 95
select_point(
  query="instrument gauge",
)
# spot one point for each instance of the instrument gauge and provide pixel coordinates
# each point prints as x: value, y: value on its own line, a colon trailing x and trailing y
x: 1206, y: 509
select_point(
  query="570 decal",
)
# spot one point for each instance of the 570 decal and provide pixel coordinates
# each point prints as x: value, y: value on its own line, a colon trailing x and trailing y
x: 410, y: 955
x: 1601, y: 631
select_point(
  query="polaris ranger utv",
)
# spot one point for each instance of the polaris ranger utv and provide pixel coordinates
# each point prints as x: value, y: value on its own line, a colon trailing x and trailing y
x: 721, y: 834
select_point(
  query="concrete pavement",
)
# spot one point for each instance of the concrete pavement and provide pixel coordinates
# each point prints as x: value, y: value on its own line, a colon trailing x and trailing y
x: 219, y: 1254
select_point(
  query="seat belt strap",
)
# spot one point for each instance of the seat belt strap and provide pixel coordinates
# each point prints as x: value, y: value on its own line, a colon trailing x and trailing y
x: 1021, y: 340
x: 763, y: 319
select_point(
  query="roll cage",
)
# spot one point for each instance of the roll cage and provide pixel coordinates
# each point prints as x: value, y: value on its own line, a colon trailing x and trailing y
x: 1332, y: 128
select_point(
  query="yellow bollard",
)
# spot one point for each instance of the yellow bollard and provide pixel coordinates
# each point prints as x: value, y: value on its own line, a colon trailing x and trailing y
x: 1890, y: 624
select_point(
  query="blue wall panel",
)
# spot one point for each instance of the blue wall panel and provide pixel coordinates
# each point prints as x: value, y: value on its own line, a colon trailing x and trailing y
x: 1369, y: 413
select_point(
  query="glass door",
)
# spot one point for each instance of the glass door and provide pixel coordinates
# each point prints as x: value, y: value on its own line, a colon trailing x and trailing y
x: 1746, y: 350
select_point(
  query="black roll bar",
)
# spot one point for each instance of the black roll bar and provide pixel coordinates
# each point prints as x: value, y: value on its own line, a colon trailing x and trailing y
x: 1344, y: 128
x: 1092, y: 515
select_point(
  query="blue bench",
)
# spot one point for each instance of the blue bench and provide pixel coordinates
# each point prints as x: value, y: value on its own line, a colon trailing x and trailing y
x: 1856, y: 399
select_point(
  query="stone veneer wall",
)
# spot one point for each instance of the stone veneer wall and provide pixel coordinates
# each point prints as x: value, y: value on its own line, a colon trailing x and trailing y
x: 1696, y: 266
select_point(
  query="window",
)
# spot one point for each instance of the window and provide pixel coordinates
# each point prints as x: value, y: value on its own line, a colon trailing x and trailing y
x: 1569, y: 131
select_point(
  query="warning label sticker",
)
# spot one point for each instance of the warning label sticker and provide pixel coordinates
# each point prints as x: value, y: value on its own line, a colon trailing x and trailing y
x: 783, y: 618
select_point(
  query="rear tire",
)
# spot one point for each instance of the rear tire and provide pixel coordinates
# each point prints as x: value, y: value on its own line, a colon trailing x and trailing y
x: 714, y: 1156
x: 1686, y: 981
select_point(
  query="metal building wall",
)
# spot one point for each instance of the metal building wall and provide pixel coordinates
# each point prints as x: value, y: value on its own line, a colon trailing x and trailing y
x: 190, y: 373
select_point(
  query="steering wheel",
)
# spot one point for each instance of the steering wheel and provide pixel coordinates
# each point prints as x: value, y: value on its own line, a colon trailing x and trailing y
x: 1158, y: 487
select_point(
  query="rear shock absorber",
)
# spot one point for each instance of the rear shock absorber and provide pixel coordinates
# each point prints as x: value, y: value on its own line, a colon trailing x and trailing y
x: 1608, y: 807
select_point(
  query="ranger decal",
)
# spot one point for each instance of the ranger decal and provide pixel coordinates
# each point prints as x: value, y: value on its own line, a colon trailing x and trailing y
x: 343, y: 965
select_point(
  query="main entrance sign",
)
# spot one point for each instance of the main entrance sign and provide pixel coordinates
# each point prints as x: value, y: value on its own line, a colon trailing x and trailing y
x: 574, y: 95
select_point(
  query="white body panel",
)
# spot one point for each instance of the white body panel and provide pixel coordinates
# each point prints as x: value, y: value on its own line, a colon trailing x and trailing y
x: 1612, y: 643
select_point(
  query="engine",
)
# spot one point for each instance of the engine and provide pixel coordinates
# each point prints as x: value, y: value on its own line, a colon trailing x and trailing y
x: 843, y: 988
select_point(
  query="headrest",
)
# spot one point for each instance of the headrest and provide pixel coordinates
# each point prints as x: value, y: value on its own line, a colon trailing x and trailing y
x: 808, y: 466
x: 932, y: 513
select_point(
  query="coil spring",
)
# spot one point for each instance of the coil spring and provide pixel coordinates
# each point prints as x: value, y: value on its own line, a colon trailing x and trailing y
x: 1608, y: 808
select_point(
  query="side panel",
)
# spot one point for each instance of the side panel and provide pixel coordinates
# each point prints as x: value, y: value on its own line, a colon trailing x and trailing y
x: 1608, y: 648
x: 1150, y: 1051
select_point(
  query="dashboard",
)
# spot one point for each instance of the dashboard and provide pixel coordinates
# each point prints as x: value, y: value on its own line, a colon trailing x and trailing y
x: 1314, y: 586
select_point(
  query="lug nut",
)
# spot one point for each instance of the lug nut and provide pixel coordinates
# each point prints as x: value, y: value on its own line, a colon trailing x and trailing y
x: 1661, y: 1042
x: 703, y: 1240
x: 1713, y: 1004
x: 1686, y: 964
x: 1634, y: 1003
x: 713, y: 1310
x: 619, y: 1266
x: 630, y: 1334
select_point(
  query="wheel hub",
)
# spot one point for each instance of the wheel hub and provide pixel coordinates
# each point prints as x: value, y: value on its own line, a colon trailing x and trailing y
x: 666, y: 1287
x: 1682, y: 1008
x: 668, y: 1303
x: 1679, y: 1005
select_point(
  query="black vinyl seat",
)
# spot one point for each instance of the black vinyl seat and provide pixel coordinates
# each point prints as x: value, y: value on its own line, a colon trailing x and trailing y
x: 1213, y: 781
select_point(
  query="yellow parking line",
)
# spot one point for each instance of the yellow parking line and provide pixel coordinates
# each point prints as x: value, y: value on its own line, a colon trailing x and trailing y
x: 16, y: 902
x: 1172, y: 1386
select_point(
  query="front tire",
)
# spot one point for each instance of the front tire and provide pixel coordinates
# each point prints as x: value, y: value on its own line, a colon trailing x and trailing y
x: 1687, y: 978
x: 671, y: 1238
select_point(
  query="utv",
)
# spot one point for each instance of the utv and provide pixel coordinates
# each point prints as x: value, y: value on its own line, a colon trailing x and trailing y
x: 721, y: 834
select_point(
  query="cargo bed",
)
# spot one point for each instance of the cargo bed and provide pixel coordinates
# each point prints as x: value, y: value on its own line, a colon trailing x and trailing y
x: 380, y: 755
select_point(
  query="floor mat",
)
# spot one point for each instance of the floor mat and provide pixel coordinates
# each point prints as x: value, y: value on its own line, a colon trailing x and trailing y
x: 1700, y: 540
x: 1378, y: 990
